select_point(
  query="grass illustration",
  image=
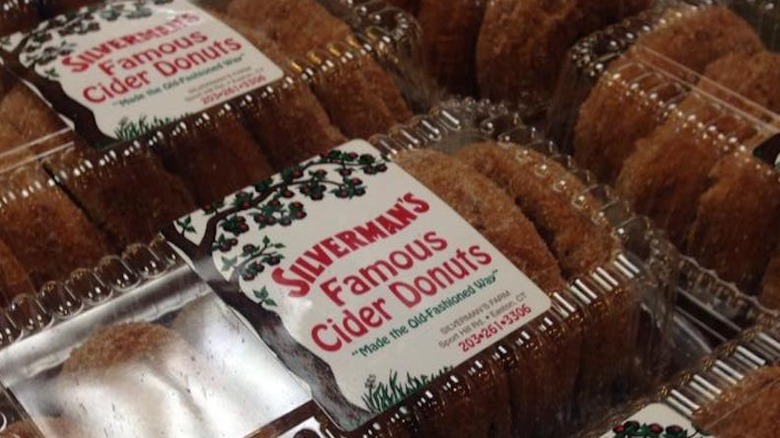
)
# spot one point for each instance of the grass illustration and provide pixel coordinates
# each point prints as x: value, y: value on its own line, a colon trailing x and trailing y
x: 381, y: 395
x: 131, y: 129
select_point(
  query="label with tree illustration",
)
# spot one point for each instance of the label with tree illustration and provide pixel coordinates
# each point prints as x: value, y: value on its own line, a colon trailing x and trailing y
x: 117, y: 69
x: 363, y: 282
x: 656, y: 421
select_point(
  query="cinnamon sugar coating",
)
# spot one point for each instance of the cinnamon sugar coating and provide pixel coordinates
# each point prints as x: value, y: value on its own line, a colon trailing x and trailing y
x: 489, y: 210
x: 576, y: 240
x: 522, y: 44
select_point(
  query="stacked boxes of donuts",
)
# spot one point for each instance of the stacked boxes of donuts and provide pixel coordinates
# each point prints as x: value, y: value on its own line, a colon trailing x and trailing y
x: 110, y: 86
x: 531, y: 209
x: 120, y: 117
x: 154, y: 167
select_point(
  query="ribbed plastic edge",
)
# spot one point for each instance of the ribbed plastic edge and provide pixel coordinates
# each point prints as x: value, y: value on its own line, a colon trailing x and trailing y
x: 693, y: 390
x: 84, y: 289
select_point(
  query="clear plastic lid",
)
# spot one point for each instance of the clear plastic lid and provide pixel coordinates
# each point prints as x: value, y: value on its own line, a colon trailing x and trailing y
x: 508, y: 50
x: 155, y: 327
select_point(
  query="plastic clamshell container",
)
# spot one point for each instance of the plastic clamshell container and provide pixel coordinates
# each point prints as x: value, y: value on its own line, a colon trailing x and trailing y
x: 188, y: 338
x: 505, y: 50
x: 733, y: 392
x: 619, y: 112
x: 66, y: 205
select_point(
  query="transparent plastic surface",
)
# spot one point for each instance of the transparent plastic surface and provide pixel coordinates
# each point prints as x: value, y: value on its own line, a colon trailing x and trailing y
x: 684, y: 150
x: 65, y: 205
x: 508, y: 50
x: 686, y: 34
x: 83, y: 346
x: 725, y: 45
x: 167, y: 359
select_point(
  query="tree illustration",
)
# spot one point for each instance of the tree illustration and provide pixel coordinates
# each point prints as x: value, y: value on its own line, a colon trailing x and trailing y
x: 49, y: 41
x: 229, y: 251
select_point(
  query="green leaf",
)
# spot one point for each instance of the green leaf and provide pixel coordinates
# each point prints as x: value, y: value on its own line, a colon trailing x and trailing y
x: 279, y: 246
x: 262, y: 294
x: 186, y: 225
x: 229, y: 263
x: 266, y: 240
x: 269, y: 302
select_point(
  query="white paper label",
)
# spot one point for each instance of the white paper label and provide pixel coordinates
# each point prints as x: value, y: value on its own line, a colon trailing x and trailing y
x: 366, y: 268
x: 656, y: 421
x: 117, y: 69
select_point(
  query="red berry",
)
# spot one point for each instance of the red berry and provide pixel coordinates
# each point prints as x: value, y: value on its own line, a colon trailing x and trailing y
x: 656, y: 428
